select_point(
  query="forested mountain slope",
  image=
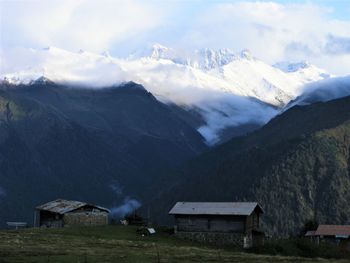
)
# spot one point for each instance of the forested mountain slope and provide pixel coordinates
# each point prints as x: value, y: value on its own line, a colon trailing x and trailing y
x: 296, y: 166
x: 98, y: 146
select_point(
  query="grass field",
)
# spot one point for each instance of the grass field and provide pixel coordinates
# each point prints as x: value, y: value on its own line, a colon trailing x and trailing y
x: 116, y: 244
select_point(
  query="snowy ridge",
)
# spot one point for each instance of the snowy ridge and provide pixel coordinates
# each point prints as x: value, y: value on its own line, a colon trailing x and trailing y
x: 228, y: 88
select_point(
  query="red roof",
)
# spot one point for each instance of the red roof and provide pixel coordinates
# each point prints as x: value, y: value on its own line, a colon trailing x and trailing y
x: 333, y: 230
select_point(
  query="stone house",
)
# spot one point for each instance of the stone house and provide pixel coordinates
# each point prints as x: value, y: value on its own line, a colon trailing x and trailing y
x: 221, y: 223
x: 62, y: 212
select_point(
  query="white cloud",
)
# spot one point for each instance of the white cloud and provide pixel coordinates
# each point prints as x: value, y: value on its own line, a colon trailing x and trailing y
x: 321, y: 91
x: 274, y: 32
x: 91, y: 25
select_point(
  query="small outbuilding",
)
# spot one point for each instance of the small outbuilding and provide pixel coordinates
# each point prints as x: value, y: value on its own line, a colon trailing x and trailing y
x: 221, y: 223
x: 62, y: 212
x: 338, y: 235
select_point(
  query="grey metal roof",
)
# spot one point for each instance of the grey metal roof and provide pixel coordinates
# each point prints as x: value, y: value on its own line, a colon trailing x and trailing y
x: 214, y: 208
x: 61, y: 206
x: 310, y: 233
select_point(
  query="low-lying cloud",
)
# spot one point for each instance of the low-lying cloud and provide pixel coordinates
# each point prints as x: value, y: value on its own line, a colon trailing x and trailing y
x: 325, y: 90
x: 232, y: 111
x: 337, y: 45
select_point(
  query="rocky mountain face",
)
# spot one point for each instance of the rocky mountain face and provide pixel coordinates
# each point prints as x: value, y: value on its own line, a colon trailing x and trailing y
x: 100, y: 146
x: 297, y: 166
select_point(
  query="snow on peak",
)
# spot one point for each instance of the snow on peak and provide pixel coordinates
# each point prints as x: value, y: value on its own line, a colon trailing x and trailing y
x: 303, y: 71
x: 159, y: 51
x: 209, y: 59
x: 246, y: 54
x: 288, y: 66
x: 154, y: 51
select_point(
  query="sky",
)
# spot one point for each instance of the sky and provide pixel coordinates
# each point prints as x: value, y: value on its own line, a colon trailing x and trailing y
x: 316, y: 31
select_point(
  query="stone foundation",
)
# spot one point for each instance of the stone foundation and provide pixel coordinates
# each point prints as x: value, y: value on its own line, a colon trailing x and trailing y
x: 220, y: 239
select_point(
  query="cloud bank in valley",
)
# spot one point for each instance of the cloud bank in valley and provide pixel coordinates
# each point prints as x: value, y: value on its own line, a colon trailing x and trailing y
x: 324, y: 90
x: 232, y: 111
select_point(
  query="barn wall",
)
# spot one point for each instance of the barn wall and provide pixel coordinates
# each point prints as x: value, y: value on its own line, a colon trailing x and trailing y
x: 210, y: 223
x: 252, y: 222
x: 86, y: 218
x: 192, y: 224
x: 217, y: 238
x: 227, y: 225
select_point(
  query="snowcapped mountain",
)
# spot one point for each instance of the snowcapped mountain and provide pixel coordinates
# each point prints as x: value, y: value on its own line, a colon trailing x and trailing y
x: 304, y: 71
x: 204, y: 59
x: 227, y: 89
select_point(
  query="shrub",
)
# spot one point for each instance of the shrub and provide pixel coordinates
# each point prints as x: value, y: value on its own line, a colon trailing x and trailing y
x: 299, y: 247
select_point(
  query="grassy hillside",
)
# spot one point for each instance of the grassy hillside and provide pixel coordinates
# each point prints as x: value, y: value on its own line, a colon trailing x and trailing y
x: 116, y: 244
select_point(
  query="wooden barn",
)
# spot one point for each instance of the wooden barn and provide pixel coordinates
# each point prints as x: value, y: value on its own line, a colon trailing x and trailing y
x: 62, y: 212
x: 219, y: 222
x: 338, y: 235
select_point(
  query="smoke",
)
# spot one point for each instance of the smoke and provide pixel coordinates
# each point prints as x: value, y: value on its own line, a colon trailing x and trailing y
x: 324, y: 90
x: 128, y: 206
x: 2, y: 192
x: 116, y: 188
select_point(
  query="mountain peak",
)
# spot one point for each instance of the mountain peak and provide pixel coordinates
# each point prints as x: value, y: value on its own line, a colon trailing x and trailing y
x: 159, y: 51
x: 41, y: 81
x: 246, y: 54
x: 288, y: 66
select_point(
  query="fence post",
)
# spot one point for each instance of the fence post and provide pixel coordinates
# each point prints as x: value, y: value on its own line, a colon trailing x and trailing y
x: 158, y: 255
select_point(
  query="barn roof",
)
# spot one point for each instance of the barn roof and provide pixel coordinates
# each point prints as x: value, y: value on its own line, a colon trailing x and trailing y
x: 310, y: 233
x: 333, y: 230
x: 61, y: 206
x: 215, y: 208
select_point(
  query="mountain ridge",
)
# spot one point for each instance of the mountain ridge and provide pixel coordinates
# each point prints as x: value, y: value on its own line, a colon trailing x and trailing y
x: 236, y: 88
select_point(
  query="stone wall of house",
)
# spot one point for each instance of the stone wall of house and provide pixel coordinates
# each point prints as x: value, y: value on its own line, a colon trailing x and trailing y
x: 85, y: 219
x: 220, y: 239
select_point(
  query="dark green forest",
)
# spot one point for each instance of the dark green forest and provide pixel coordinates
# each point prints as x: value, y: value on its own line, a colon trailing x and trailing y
x: 296, y: 166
